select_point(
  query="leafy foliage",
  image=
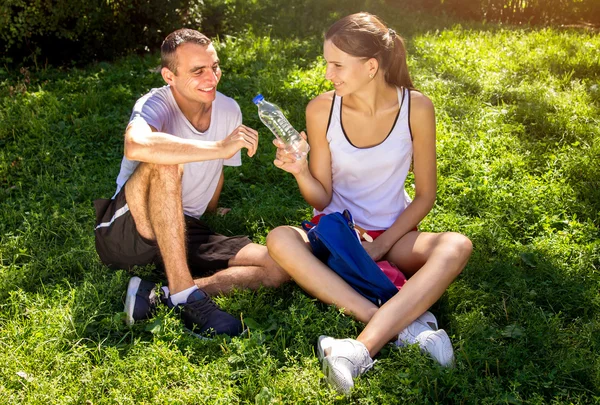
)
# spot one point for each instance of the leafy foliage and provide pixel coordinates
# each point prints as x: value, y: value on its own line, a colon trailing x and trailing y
x: 276, y: 18
x: 76, y: 31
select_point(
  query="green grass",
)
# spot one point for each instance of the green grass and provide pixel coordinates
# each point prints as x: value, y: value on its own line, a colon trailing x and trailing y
x: 518, y: 152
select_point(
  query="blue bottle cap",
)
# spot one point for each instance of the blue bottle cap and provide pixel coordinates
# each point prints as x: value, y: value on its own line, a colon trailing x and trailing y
x: 258, y: 99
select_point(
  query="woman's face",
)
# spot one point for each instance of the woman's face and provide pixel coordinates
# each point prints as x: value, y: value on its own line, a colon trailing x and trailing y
x: 347, y: 73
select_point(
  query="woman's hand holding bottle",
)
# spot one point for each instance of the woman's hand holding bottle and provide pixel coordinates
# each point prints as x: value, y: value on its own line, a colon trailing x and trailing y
x: 288, y: 160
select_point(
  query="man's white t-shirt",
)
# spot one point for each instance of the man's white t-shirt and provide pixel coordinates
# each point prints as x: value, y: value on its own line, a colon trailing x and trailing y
x: 200, y: 179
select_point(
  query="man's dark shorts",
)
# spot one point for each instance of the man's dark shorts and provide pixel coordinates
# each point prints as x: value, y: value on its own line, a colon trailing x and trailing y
x: 120, y: 246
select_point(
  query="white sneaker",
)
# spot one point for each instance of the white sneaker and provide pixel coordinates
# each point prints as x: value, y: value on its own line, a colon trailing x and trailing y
x: 425, y: 322
x: 343, y: 360
x: 324, y: 342
x: 424, y: 332
x: 437, y: 344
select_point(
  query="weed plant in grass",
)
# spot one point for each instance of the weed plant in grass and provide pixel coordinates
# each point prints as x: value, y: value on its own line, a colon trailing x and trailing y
x: 518, y: 151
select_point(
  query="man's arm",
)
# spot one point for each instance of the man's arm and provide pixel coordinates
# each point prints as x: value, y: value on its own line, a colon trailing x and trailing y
x: 145, y: 143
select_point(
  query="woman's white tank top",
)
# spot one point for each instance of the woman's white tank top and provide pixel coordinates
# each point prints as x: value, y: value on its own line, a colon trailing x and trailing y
x: 370, y: 181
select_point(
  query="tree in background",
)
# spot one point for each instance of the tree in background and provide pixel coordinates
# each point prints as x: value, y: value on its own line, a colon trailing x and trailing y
x: 64, y: 32
x: 67, y: 32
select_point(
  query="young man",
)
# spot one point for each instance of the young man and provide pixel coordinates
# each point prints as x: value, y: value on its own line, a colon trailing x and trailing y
x: 178, y: 139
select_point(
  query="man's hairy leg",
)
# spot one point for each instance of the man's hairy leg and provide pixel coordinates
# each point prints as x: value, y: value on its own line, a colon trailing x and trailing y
x: 153, y: 195
x: 250, y: 268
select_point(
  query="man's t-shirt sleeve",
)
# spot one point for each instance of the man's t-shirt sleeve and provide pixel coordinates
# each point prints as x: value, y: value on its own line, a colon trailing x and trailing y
x: 235, y: 160
x: 152, y: 110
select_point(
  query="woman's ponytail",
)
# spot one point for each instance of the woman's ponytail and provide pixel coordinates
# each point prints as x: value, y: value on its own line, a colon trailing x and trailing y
x: 397, y: 70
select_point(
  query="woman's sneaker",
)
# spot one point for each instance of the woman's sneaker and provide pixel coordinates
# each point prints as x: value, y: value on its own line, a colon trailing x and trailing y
x: 433, y: 341
x: 202, y: 316
x: 437, y: 344
x: 422, y: 324
x: 141, y: 300
x: 343, y: 361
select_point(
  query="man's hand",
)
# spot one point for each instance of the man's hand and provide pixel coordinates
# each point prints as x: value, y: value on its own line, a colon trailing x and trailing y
x: 288, y: 161
x: 241, y: 137
x: 222, y: 211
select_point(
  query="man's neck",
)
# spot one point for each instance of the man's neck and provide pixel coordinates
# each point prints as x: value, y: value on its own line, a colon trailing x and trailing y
x: 198, y: 114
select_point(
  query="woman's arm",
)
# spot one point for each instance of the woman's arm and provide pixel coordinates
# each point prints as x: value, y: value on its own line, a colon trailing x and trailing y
x: 313, y: 176
x: 422, y: 123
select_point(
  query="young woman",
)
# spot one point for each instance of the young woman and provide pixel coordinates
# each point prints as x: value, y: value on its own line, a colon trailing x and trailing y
x: 363, y: 137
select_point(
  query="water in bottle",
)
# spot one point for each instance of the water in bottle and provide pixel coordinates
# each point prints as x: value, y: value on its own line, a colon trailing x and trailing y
x: 274, y: 119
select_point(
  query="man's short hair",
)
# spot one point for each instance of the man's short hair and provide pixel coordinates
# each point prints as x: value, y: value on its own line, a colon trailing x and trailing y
x: 174, y: 40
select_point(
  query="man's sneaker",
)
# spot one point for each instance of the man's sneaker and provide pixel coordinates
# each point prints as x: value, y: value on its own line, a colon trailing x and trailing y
x: 202, y: 316
x: 141, y: 300
x: 343, y: 361
x: 425, y: 322
x: 437, y: 344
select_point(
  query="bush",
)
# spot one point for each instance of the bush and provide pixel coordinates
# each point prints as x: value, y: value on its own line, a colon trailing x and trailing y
x: 78, y: 31
x: 74, y: 31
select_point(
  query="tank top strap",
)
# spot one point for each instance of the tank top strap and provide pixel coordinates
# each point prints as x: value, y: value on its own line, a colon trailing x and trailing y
x: 402, y: 102
x: 404, y: 115
x: 334, y: 111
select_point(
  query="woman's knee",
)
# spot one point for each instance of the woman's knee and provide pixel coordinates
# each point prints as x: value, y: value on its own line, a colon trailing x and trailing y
x: 463, y: 245
x: 458, y: 246
x: 278, y: 239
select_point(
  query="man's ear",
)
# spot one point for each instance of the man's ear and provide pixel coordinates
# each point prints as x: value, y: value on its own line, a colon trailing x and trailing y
x: 167, y: 75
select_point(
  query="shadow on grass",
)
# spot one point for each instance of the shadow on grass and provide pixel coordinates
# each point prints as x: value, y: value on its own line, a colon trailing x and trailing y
x: 525, y: 321
x: 548, y: 134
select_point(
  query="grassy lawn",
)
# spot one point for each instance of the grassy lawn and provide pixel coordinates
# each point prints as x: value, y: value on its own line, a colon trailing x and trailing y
x: 519, y: 174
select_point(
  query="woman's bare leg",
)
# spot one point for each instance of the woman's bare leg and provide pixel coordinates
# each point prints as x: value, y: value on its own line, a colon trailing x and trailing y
x: 432, y: 261
x: 290, y: 249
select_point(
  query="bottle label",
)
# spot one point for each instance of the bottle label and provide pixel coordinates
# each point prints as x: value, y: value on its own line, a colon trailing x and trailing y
x: 286, y: 128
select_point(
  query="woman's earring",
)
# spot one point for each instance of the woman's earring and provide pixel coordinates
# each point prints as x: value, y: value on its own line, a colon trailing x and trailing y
x: 371, y: 76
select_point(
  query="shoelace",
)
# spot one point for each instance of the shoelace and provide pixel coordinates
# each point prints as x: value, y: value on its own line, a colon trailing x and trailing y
x: 360, y: 369
x: 201, y: 309
x: 364, y: 369
x: 356, y: 369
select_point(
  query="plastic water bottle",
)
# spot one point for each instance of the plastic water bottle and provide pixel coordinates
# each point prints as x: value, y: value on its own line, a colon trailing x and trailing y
x: 274, y: 119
